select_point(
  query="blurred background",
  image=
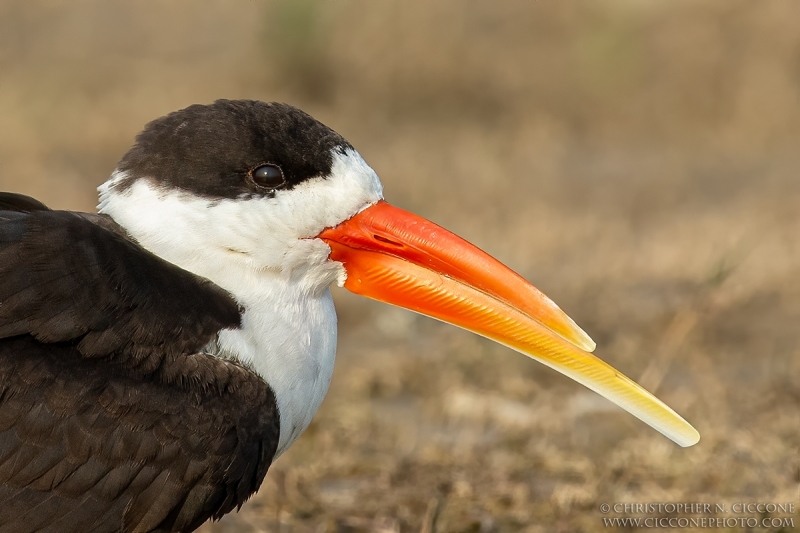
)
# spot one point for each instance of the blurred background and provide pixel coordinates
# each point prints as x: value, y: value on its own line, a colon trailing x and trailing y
x: 638, y: 161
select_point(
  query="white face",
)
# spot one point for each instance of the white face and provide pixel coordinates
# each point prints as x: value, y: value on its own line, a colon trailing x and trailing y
x: 263, y: 233
x: 262, y: 250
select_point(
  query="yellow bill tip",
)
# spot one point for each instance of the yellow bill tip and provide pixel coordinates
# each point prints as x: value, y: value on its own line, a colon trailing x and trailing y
x: 578, y: 337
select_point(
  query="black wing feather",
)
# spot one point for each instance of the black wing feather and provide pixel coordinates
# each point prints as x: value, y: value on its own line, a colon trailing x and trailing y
x: 129, y: 300
x: 111, y: 417
x: 10, y: 201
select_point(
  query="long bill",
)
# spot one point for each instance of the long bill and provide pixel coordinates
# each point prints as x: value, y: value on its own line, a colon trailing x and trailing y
x: 396, y: 257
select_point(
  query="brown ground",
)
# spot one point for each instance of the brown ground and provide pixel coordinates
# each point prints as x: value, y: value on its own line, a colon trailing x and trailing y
x: 636, y: 160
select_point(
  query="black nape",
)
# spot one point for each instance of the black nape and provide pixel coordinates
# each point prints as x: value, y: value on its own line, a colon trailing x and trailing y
x: 211, y: 150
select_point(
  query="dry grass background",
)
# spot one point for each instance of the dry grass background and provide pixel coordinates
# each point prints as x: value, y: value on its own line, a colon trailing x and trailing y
x: 636, y: 160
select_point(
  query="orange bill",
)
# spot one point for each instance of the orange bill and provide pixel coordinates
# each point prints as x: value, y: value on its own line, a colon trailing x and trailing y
x: 396, y: 257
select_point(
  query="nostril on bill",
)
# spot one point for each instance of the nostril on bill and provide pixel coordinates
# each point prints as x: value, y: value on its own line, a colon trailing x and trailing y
x: 387, y: 241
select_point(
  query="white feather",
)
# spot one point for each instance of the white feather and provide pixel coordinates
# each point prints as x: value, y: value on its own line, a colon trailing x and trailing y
x: 262, y: 251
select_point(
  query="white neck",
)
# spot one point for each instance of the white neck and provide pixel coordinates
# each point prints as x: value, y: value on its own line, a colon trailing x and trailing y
x: 288, y: 337
x: 262, y: 251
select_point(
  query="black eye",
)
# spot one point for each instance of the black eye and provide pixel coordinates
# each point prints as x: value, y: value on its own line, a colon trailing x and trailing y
x: 269, y: 176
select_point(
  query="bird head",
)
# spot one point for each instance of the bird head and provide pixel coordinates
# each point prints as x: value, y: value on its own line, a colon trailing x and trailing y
x: 266, y: 190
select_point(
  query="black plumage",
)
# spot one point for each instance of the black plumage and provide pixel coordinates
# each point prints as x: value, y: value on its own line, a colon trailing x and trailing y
x: 209, y: 150
x: 111, y: 416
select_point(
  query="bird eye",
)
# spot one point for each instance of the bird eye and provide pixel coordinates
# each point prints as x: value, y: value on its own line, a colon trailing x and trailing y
x: 269, y: 176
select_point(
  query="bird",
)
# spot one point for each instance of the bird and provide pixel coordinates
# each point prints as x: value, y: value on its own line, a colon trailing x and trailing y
x: 157, y: 356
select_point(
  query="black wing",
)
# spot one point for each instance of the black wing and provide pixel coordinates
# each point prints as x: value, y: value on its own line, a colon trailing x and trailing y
x: 10, y: 201
x: 111, y: 417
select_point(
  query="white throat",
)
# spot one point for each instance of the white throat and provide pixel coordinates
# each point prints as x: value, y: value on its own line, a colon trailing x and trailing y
x: 263, y: 251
